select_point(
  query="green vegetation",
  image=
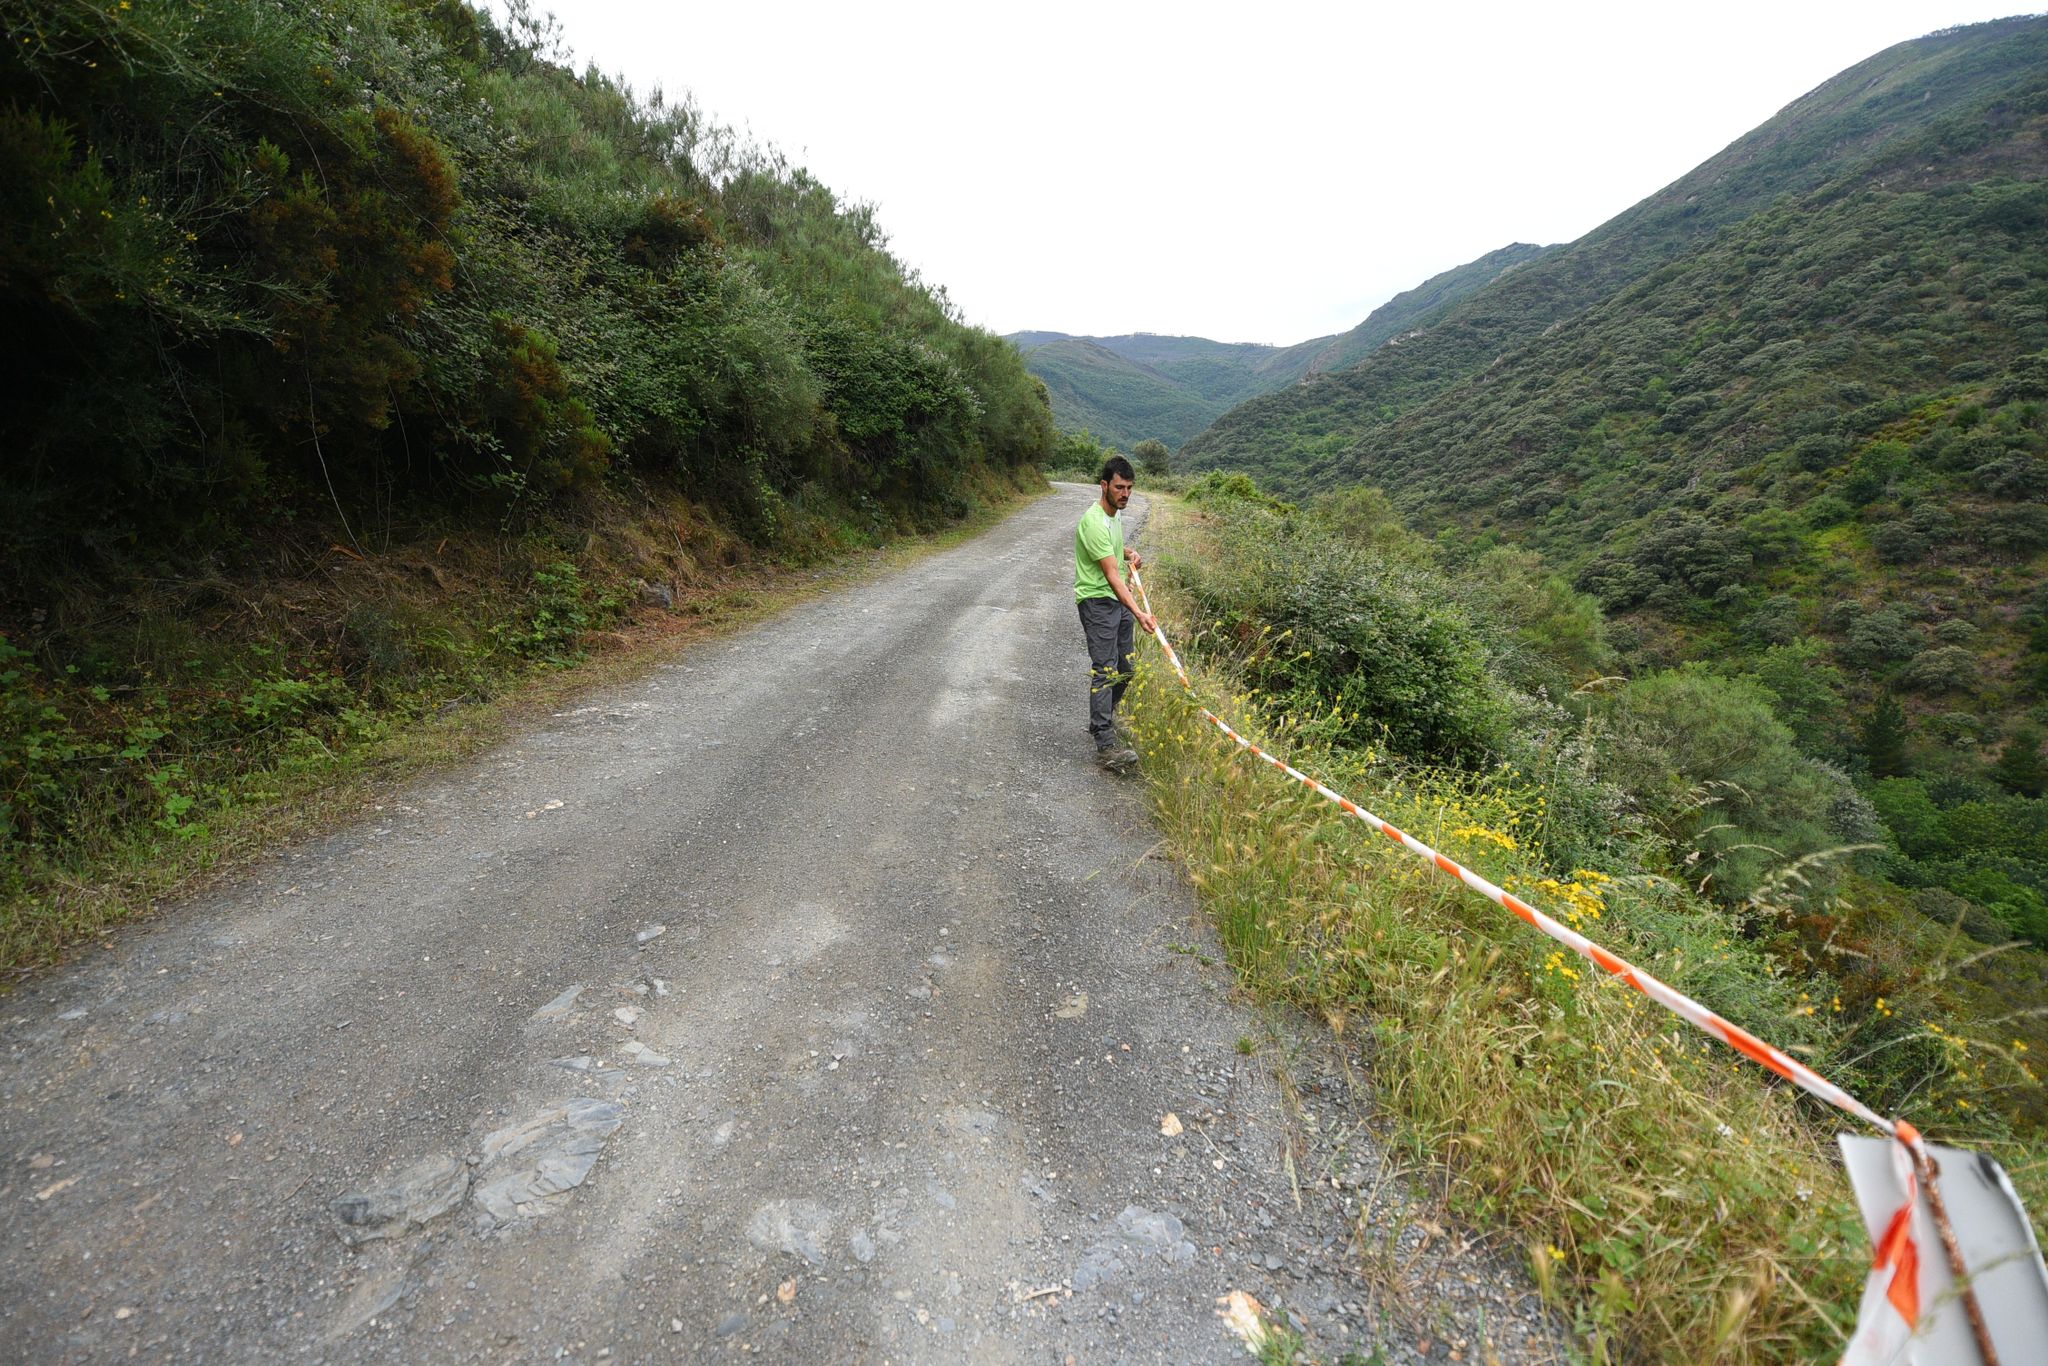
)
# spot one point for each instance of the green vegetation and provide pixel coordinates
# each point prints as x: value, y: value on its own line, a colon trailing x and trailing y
x: 1092, y: 388
x: 1077, y: 456
x: 1787, y: 423
x: 365, y: 357
x: 1944, y: 110
x: 1146, y: 386
x: 1648, y: 1172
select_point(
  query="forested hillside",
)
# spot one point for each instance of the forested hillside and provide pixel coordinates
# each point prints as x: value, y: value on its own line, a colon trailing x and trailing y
x: 1146, y: 386
x: 1122, y: 401
x: 1963, y: 76
x: 1807, y: 449
x: 1419, y: 307
x: 382, y: 288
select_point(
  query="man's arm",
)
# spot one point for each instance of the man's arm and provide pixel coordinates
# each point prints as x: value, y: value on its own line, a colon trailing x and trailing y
x: 1123, y: 593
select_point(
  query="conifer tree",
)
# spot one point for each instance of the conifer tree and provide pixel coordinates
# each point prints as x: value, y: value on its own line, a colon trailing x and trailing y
x: 1884, y: 738
x: 2021, y: 769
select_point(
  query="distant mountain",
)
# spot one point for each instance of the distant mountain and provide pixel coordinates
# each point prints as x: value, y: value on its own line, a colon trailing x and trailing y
x: 1120, y: 401
x: 1124, y: 389
x: 1299, y: 436
x: 1421, y: 305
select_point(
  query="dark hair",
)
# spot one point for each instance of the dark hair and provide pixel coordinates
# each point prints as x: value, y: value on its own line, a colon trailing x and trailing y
x: 1116, y: 467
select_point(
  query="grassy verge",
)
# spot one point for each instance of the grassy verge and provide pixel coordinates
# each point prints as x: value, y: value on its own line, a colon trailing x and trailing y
x: 151, y: 742
x: 1674, y: 1202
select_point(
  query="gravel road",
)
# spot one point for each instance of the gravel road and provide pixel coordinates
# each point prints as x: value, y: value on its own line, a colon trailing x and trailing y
x: 814, y: 997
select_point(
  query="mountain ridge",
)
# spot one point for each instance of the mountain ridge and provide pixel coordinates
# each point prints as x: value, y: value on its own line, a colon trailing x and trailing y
x: 1855, y: 111
x: 1142, y: 384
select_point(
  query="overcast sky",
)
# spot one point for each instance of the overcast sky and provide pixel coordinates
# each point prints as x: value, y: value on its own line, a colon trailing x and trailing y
x: 1247, y: 172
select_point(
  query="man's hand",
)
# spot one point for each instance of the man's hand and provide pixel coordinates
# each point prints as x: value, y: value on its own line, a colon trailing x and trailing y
x: 1149, y: 622
x: 1137, y: 561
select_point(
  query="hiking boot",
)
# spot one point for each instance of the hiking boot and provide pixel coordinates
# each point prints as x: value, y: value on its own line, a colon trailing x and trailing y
x: 1117, y: 758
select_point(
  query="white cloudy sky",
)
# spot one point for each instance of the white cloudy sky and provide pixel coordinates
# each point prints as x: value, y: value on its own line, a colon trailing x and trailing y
x: 1249, y: 172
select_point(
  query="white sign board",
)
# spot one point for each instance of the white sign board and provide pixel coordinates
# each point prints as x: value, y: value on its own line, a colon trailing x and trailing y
x: 1998, y: 1248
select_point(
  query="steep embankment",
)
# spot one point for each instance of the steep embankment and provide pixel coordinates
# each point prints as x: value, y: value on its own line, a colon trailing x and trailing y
x: 1787, y: 419
x: 1126, y: 389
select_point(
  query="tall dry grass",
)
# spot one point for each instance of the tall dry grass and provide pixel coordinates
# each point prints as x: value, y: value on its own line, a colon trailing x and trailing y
x: 1676, y: 1203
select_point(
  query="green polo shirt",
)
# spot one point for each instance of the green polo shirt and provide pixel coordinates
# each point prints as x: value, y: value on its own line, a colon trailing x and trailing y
x: 1100, y: 536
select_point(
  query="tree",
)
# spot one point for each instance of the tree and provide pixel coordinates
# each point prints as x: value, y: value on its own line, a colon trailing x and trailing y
x: 1948, y: 669
x: 1151, y: 456
x: 1880, y: 636
x: 1709, y: 760
x: 2020, y: 768
x: 1913, y: 818
x: 1884, y: 738
x: 1806, y: 692
x: 1080, y: 451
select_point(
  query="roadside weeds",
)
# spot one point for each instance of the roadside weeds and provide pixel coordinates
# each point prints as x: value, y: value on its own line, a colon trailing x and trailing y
x: 1646, y: 1180
x: 125, y: 868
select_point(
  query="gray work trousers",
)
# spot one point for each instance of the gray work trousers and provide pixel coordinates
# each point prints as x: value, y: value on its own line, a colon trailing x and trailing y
x: 1112, y: 637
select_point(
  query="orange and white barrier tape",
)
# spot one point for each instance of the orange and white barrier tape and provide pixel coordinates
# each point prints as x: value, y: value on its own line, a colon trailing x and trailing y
x: 1890, y: 1310
x: 1896, y: 1252
x: 1677, y: 1002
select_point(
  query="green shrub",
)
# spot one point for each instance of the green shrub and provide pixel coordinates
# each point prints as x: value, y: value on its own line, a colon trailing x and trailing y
x: 1807, y: 693
x: 1366, y: 651
x: 2021, y: 769
x: 38, y: 745
x: 1219, y: 488
x: 1950, y: 668
x: 1543, y: 634
x: 557, y: 613
x: 1711, y: 763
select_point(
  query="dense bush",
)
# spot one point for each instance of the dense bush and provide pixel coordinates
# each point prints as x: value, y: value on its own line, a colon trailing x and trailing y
x: 267, y: 261
x: 1371, y: 651
x: 1708, y: 758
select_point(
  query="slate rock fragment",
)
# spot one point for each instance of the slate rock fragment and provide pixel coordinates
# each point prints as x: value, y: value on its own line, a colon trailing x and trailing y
x: 526, y: 1165
x: 424, y: 1191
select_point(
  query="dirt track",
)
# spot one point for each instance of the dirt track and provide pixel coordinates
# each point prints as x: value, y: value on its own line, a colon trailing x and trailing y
x: 882, y: 995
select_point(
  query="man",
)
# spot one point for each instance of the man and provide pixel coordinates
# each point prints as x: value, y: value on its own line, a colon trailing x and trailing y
x: 1108, y: 609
